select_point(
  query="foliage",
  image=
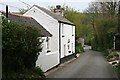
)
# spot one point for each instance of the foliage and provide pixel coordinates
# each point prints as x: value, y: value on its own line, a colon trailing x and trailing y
x: 78, y: 47
x: 39, y: 71
x: 81, y: 20
x: 104, y: 22
x: 33, y: 74
x: 104, y: 30
x: 22, y: 11
x: 112, y: 55
x: 117, y: 69
x: 19, y: 47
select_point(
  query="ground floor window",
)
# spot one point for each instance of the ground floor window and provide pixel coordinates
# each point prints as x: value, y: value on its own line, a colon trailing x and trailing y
x: 48, y: 44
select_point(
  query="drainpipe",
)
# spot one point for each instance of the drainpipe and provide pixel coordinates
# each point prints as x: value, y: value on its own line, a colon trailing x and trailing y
x: 60, y: 42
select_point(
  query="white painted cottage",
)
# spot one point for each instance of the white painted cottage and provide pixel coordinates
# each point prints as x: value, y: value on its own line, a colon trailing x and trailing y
x: 61, y: 43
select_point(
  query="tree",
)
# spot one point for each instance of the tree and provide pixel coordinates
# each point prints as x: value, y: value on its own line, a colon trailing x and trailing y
x: 22, y: 11
x: 104, y: 21
x: 81, y: 20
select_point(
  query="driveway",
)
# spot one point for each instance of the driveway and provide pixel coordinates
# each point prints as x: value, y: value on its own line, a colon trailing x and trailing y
x: 90, y: 64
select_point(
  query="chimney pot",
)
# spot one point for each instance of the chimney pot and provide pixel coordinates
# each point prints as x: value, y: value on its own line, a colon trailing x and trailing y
x: 59, y: 11
x: 58, y: 7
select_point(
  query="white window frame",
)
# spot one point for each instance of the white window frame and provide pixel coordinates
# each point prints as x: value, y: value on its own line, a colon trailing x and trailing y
x: 62, y: 30
x: 48, y: 45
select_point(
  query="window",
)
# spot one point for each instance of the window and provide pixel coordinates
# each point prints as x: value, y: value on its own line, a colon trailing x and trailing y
x: 62, y: 29
x: 48, y: 44
x: 72, y: 31
x: 47, y: 41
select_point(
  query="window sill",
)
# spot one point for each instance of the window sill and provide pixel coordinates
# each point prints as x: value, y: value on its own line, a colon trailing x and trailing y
x: 63, y: 36
x: 48, y: 51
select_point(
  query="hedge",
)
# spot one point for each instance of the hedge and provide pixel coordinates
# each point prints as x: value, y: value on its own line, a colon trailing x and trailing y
x: 19, y: 47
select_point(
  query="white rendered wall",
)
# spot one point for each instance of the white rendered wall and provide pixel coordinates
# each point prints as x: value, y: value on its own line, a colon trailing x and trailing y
x: 51, y: 59
x: 67, y: 34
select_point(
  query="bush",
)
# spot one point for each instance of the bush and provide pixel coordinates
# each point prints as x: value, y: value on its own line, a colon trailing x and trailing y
x: 112, y: 55
x: 39, y: 71
x: 78, y: 47
x: 117, y: 69
x: 103, y: 43
x: 19, y: 47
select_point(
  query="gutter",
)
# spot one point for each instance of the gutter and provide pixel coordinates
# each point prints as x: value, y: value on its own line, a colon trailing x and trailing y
x: 67, y: 23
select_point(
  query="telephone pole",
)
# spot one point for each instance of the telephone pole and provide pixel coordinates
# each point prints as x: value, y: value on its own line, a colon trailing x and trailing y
x: 6, y: 11
x: 117, y: 35
x: 119, y: 17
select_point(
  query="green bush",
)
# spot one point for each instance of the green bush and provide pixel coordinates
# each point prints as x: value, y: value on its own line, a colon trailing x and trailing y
x: 112, y: 55
x: 19, y: 47
x: 117, y: 69
x: 39, y: 71
x: 78, y: 47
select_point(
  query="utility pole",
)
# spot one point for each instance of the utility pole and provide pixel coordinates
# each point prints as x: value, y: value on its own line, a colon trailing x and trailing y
x: 119, y: 17
x: 6, y: 11
x: 117, y: 35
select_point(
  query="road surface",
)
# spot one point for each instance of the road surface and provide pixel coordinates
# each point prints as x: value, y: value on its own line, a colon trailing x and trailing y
x: 90, y: 64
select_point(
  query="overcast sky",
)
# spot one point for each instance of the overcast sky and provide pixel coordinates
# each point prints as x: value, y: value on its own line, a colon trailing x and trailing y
x: 15, y: 5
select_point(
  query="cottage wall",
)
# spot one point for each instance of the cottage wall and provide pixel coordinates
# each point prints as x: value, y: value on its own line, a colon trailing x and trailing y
x: 67, y: 40
x: 47, y: 60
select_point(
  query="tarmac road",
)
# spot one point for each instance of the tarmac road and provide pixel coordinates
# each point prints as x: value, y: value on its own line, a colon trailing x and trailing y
x: 90, y: 64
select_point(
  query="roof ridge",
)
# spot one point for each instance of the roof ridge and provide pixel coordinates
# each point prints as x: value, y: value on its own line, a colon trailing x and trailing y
x: 48, y: 10
x: 55, y: 16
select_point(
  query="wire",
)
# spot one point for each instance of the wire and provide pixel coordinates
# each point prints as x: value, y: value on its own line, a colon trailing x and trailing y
x: 10, y: 6
x: 25, y: 3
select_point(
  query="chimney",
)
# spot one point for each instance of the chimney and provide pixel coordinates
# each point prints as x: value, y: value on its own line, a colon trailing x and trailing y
x: 6, y: 11
x: 59, y: 11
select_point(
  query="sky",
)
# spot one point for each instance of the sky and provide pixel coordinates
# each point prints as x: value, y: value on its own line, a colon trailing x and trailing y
x: 15, y: 5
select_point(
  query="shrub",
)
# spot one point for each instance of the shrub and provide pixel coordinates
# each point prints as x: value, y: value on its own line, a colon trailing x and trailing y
x: 78, y: 47
x: 39, y: 71
x: 112, y: 55
x: 19, y: 47
x: 117, y: 69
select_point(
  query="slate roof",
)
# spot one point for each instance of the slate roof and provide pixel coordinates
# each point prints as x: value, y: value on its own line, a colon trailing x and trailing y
x: 57, y: 17
x: 28, y: 21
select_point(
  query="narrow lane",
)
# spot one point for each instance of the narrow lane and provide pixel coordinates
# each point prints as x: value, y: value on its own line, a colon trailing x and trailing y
x: 91, y: 64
